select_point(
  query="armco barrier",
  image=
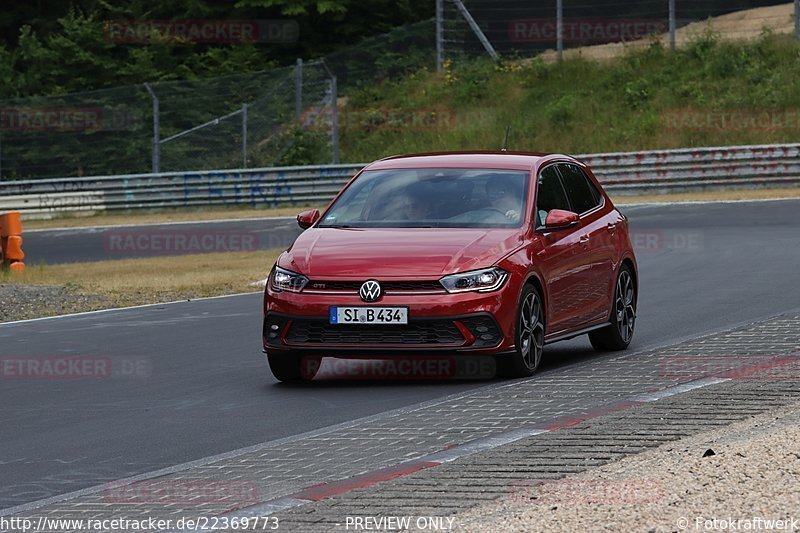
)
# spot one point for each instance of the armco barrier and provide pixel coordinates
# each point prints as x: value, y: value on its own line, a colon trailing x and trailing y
x: 264, y: 186
x: 697, y: 168
x: 624, y: 172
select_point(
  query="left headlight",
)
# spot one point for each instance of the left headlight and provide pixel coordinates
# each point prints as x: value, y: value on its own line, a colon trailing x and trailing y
x: 286, y: 280
x: 485, y: 280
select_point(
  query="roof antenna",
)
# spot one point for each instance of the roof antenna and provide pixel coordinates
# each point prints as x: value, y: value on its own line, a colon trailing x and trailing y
x: 505, y: 142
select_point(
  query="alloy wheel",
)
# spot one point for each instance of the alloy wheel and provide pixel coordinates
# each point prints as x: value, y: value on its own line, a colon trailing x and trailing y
x: 531, y: 331
x: 625, y: 306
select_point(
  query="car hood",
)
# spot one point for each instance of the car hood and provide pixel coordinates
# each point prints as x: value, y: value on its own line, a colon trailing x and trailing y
x: 324, y: 253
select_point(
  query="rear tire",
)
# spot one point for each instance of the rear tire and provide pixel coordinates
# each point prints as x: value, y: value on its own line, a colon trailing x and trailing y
x: 529, y: 341
x: 290, y: 367
x: 618, y: 335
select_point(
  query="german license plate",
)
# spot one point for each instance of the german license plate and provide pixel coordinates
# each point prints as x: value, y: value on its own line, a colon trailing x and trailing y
x: 369, y: 315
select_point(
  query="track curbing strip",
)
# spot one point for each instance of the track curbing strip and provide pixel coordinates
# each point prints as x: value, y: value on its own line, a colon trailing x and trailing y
x: 323, y: 491
x: 677, y: 389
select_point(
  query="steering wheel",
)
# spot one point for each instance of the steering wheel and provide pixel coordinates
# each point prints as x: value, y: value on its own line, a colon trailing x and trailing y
x: 491, y: 214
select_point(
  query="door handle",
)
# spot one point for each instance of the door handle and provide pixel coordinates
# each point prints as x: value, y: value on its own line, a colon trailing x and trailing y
x: 584, y: 240
x: 612, y: 227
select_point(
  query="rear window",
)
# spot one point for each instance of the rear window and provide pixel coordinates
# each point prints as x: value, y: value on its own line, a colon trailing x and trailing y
x: 581, y: 192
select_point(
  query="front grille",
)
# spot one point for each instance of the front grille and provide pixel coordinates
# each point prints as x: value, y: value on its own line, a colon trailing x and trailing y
x: 412, y: 286
x: 420, y: 332
x: 387, y: 286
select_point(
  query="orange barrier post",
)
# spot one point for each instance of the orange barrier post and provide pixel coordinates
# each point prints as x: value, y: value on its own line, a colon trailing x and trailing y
x: 11, y: 241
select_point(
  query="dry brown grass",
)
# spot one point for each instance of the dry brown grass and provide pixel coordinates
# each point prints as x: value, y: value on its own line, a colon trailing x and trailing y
x: 709, y: 196
x: 150, y: 280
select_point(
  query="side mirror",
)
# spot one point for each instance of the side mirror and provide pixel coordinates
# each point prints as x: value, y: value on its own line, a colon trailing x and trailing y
x: 306, y: 219
x: 559, y: 219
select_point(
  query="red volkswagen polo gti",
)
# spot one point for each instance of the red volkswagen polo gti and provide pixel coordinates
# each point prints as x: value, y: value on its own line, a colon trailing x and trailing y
x: 454, y: 253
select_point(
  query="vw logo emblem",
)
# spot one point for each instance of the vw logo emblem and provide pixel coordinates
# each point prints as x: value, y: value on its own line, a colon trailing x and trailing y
x: 370, y: 291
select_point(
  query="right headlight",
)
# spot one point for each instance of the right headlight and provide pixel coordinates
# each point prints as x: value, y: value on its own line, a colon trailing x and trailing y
x: 286, y: 280
x: 485, y: 280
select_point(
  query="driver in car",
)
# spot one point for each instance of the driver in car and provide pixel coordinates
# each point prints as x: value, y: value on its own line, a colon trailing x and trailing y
x: 505, y: 195
x: 415, y: 203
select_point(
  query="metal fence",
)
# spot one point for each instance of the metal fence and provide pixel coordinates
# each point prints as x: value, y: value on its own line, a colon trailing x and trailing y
x: 625, y: 173
x: 229, y: 122
x: 253, y: 119
x: 599, y: 28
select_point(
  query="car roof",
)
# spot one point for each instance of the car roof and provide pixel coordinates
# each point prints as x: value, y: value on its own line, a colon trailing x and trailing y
x: 473, y: 159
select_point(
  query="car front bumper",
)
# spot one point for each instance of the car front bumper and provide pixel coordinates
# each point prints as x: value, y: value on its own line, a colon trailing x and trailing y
x: 437, y: 323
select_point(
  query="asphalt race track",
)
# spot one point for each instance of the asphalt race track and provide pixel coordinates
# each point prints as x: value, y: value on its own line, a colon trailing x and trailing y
x: 73, y: 245
x: 188, y: 380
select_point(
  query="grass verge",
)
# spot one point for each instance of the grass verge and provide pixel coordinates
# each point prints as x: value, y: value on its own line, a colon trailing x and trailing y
x: 79, y: 287
x: 709, y: 196
x: 711, y: 92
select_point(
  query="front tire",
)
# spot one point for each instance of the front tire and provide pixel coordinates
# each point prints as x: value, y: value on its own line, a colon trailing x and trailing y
x: 618, y: 335
x: 288, y: 367
x: 529, y: 339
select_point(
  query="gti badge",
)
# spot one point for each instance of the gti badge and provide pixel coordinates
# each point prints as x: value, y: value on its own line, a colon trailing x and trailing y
x: 370, y: 291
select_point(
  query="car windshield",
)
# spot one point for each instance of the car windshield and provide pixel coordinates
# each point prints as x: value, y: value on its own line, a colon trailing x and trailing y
x: 445, y: 198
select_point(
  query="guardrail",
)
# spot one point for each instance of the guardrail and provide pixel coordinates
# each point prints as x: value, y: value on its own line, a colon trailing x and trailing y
x: 624, y: 172
x: 697, y: 168
x: 263, y: 186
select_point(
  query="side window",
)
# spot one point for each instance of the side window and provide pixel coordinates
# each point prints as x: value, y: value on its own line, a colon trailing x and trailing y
x: 581, y: 192
x: 550, y: 194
